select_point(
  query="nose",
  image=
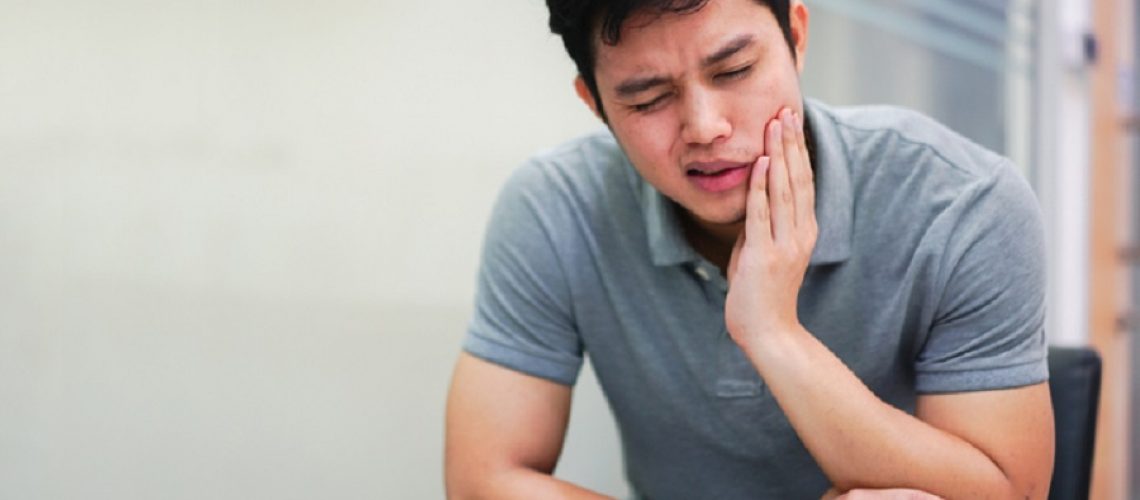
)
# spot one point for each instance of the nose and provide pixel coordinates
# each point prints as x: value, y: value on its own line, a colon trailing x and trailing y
x: 703, y: 121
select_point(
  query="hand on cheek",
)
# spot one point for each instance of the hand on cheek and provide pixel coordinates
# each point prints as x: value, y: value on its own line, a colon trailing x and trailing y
x: 772, y: 253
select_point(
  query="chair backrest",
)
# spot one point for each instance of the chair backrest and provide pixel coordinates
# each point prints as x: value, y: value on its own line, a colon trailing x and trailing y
x: 1074, y: 381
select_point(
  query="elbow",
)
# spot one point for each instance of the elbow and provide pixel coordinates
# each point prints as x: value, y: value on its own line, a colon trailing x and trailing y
x: 480, y: 485
x: 476, y: 480
x: 459, y: 480
x: 458, y: 488
x: 462, y: 483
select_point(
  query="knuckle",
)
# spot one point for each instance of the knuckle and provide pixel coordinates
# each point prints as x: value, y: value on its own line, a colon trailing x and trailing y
x: 804, y: 183
x: 787, y: 252
x: 771, y: 265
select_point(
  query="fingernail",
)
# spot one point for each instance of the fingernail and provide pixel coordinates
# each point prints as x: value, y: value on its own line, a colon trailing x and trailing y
x: 762, y: 163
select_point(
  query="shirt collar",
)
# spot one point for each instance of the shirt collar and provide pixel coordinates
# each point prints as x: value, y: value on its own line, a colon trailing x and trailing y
x: 834, y: 198
x: 833, y: 212
x: 667, y: 244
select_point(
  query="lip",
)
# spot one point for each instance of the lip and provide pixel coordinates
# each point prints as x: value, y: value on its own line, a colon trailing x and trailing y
x: 714, y: 166
x: 717, y: 176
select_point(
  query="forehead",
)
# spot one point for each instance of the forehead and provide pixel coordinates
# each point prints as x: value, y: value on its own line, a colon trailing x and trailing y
x: 649, y: 38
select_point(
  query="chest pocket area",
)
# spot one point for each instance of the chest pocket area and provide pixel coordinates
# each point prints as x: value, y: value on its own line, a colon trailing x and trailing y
x: 747, y: 406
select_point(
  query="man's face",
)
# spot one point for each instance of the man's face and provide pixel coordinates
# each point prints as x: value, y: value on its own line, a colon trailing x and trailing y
x: 688, y: 97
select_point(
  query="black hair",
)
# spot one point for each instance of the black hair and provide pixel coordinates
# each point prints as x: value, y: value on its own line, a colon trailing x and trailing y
x: 576, y: 21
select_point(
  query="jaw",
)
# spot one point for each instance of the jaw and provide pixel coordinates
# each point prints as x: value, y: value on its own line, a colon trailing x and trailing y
x: 721, y: 224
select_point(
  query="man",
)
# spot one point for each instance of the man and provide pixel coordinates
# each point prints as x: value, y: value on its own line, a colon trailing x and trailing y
x: 780, y: 299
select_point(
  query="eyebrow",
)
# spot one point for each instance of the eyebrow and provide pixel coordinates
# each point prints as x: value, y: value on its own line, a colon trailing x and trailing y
x: 637, y: 85
x: 731, y: 48
x: 634, y: 86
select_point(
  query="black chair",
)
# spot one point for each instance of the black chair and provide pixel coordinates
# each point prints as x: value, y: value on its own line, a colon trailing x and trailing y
x: 1074, y: 381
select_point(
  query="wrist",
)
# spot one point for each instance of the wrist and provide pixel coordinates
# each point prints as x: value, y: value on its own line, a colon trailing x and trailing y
x: 770, y: 338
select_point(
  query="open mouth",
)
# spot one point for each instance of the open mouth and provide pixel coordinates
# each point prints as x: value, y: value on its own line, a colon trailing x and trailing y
x: 710, y: 173
x: 718, y: 177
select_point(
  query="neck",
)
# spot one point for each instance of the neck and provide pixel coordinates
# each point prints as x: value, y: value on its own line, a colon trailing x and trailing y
x: 712, y: 241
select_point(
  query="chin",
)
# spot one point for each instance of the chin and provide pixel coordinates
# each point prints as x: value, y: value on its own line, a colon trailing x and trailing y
x: 722, y: 218
x: 723, y: 212
x: 729, y: 216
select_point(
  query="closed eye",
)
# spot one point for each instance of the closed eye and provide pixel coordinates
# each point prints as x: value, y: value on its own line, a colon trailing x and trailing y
x: 650, y: 105
x: 734, y: 74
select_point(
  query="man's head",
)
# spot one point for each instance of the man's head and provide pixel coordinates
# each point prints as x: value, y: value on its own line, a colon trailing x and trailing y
x: 687, y: 87
x: 583, y: 23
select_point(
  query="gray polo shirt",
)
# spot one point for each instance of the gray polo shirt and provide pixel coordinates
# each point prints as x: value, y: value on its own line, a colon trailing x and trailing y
x: 927, y: 277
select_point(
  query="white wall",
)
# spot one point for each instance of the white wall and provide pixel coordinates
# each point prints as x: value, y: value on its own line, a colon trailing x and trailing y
x: 238, y: 239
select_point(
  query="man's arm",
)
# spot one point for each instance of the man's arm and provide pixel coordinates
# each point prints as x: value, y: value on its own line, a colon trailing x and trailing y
x: 991, y: 444
x: 504, y: 433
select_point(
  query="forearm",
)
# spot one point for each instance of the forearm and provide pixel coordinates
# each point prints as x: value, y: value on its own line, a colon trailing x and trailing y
x: 519, y: 483
x: 858, y: 440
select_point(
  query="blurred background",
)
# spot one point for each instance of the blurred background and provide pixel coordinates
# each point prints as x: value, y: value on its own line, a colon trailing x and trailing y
x: 238, y: 240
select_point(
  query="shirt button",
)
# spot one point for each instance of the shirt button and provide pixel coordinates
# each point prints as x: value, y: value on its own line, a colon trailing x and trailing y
x: 703, y: 273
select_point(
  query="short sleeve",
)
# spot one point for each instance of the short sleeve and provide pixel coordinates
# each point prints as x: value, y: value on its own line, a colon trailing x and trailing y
x: 988, y: 329
x: 523, y: 316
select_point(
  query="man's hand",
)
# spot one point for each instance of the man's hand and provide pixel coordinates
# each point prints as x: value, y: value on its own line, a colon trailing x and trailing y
x: 892, y: 494
x: 772, y: 253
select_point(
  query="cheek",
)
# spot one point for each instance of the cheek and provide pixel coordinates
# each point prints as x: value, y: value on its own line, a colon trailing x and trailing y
x: 764, y: 100
x: 767, y: 95
x: 648, y: 142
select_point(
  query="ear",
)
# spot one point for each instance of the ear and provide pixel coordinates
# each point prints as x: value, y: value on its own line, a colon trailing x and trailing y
x: 584, y: 94
x: 799, y: 24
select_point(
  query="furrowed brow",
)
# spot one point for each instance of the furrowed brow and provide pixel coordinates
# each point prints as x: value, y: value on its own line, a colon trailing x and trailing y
x: 731, y: 48
x: 637, y: 85
x: 634, y: 86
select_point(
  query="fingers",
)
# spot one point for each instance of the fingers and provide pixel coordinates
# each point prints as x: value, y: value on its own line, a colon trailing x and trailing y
x: 799, y: 169
x: 886, y: 494
x: 781, y: 199
x: 758, y: 226
x: 801, y: 141
x: 779, y: 184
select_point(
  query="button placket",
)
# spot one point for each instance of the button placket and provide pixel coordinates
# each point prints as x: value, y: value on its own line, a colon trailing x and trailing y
x: 702, y: 272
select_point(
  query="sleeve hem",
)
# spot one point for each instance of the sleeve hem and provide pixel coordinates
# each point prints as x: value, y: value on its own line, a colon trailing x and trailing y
x: 1005, y: 377
x: 560, y: 372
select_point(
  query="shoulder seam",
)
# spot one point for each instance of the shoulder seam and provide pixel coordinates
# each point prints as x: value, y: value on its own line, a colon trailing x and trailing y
x: 923, y: 144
